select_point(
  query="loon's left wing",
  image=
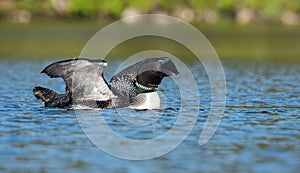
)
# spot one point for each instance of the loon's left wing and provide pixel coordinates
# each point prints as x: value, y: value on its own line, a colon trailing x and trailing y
x: 83, y: 78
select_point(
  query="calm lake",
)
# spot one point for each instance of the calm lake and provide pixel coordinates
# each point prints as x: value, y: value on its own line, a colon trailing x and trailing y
x: 259, y: 131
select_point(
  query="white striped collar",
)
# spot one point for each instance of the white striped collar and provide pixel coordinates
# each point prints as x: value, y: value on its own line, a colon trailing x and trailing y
x: 153, y: 88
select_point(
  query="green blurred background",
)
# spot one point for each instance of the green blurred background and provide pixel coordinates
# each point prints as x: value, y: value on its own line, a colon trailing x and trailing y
x: 244, y: 29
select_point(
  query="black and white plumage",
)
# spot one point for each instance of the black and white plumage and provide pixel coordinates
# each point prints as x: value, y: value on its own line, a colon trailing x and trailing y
x: 134, y: 87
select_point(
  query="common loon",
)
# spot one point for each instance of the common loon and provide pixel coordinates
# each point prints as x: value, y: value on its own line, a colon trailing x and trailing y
x: 134, y: 87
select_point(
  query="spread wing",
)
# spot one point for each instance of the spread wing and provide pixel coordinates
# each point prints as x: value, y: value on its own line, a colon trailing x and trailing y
x: 83, y: 78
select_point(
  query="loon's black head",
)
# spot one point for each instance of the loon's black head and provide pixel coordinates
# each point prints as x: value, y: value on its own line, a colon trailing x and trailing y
x: 152, y: 72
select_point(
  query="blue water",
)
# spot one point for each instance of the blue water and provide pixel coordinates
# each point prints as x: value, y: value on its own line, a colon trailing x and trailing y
x: 259, y: 132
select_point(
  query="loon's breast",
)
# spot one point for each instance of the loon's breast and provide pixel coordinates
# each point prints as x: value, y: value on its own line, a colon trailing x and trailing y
x: 149, y: 100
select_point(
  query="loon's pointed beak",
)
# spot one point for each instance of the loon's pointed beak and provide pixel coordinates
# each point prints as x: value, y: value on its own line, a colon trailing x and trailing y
x: 168, y: 67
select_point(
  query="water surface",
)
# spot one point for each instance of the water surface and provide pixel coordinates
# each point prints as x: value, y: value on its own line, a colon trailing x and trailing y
x: 258, y: 133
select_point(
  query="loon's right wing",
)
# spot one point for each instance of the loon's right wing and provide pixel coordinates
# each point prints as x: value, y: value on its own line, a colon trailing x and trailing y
x: 83, y: 78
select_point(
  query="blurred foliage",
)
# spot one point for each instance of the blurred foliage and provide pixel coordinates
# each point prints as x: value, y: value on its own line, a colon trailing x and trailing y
x: 224, y: 9
x: 201, y: 5
x: 111, y: 7
x: 26, y: 4
x: 84, y: 8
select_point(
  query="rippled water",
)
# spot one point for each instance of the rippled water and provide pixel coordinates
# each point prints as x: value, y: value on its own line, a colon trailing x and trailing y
x: 259, y: 132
